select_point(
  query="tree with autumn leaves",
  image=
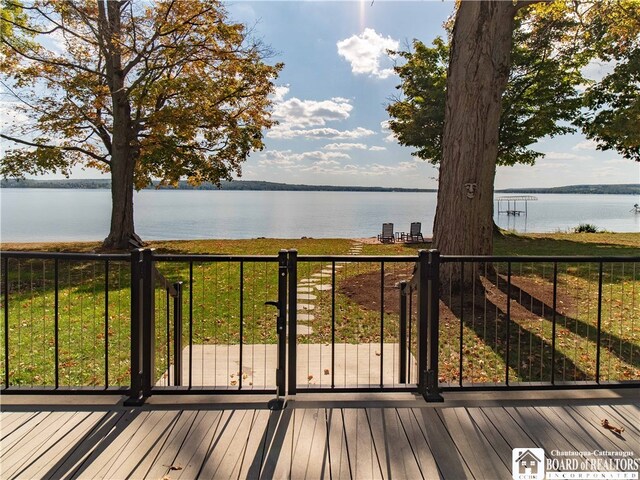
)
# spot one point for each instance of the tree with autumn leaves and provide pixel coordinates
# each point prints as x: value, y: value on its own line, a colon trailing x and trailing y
x: 511, y: 74
x: 163, y: 90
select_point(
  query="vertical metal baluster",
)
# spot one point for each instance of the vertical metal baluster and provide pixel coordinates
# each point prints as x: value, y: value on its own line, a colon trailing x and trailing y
x: 508, y: 342
x: 553, y: 324
x: 460, y: 360
x: 241, y: 322
x: 333, y: 324
x: 599, y: 330
x: 381, y: 323
x: 402, y: 340
x: 190, y: 324
x: 106, y: 324
x: 56, y: 323
x: 5, y: 288
x: 168, y: 317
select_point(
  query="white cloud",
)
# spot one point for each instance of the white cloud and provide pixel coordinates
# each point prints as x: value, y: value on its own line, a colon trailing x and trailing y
x: 562, y: 156
x: 390, y: 136
x: 282, y: 132
x: 365, y: 51
x: 280, y: 93
x: 376, y: 148
x: 345, y: 146
x: 11, y: 115
x: 586, y: 145
x: 310, y: 113
x: 287, y: 158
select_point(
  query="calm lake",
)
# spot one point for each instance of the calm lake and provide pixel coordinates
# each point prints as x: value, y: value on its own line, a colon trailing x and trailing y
x: 61, y: 214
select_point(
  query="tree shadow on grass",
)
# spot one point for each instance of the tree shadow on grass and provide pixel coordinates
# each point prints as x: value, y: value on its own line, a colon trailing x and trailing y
x: 543, y: 308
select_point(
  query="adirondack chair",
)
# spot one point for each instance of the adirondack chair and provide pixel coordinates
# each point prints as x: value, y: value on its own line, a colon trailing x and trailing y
x: 387, y: 235
x: 415, y: 233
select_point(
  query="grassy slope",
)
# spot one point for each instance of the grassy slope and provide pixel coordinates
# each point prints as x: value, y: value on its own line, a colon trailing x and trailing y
x: 605, y: 244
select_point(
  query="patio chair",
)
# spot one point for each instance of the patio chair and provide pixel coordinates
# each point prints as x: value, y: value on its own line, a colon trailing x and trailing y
x: 387, y: 235
x: 415, y: 233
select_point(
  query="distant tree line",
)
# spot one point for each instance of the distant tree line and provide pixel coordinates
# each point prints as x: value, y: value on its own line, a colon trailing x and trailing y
x: 184, y: 185
x: 619, y: 189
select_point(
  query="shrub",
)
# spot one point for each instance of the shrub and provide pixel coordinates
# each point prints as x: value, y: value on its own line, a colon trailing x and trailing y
x: 586, y: 228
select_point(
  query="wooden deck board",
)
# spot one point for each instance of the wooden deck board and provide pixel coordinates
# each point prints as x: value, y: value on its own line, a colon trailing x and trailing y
x: 148, y: 440
x: 473, y: 446
x: 170, y: 449
x: 55, y: 446
x: 338, y: 451
x: 447, y: 457
x: 74, y: 459
x: 311, y: 451
x: 539, y: 429
x: 36, y: 442
x: 631, y: 434
x: 370, y: 439
x: 13, y: 421
x: 224, y: 450
x: 418, y: 443
x: 509, y: 429
x: 494, y: 437
x: 207, y: 429
x: 393, y: 448
x: 364, y: 463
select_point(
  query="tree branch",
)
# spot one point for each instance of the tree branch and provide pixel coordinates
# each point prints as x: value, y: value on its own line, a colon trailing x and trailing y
x: 99, y: 158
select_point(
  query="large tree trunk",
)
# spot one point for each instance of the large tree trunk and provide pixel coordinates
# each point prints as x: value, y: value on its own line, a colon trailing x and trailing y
x: 124, y: 145
x: 122, y: 234
x: 477, y: 76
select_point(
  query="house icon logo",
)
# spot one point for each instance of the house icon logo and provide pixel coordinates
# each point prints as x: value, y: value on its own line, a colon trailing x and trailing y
x: 527, y: 463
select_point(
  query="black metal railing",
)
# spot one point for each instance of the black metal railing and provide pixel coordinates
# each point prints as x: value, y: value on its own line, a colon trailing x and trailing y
x: 65, y: 321
x: 542, y: 322
x: 145, y: 323
x: 345, y: 321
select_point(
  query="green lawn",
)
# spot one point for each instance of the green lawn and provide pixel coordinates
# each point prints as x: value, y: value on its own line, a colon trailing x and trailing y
x: 213, y: 297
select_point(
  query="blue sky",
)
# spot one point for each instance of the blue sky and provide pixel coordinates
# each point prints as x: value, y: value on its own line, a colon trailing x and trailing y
x: 332, y: 93
x: 334, y: 88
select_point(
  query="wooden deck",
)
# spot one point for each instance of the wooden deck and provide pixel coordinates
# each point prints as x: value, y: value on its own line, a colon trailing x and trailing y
x: 470, y: 435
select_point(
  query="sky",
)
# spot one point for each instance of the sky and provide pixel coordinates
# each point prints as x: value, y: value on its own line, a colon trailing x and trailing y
x: 337, y: 80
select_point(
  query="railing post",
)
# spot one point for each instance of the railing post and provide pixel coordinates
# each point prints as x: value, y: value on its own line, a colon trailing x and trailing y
x: 403, y: 333
x: 177, y: 335
x: 423, y: 313
x: 281, y: 328
x: 432, y: 393
x: 293, y: 321
x: 135, y: 393
x: 148, y: 322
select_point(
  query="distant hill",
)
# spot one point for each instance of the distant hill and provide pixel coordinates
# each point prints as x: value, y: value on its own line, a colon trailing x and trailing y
x: 235, y: 185
x: 610, y: 189
x: 630, y: 189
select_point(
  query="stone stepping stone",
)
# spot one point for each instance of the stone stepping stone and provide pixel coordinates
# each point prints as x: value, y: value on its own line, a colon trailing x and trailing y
x: 323, y: 287
x: 329, y: 271
x: 338, y: 267
x: 306, y: 296
x: 305, y: 317
x: 309, y: 280
x: 305, y: 306
x: 305, y: 288
x: 325, y: 275
x: 304, y: 330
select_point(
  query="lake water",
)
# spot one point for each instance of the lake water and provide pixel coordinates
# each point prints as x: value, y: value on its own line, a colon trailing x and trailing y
x: 60, y: 214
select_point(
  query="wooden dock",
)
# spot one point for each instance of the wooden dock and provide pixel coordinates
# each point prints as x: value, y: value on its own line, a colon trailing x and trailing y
x: 470, y: 435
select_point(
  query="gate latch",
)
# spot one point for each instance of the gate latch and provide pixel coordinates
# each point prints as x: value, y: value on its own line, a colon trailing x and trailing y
x: 281, y: 320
